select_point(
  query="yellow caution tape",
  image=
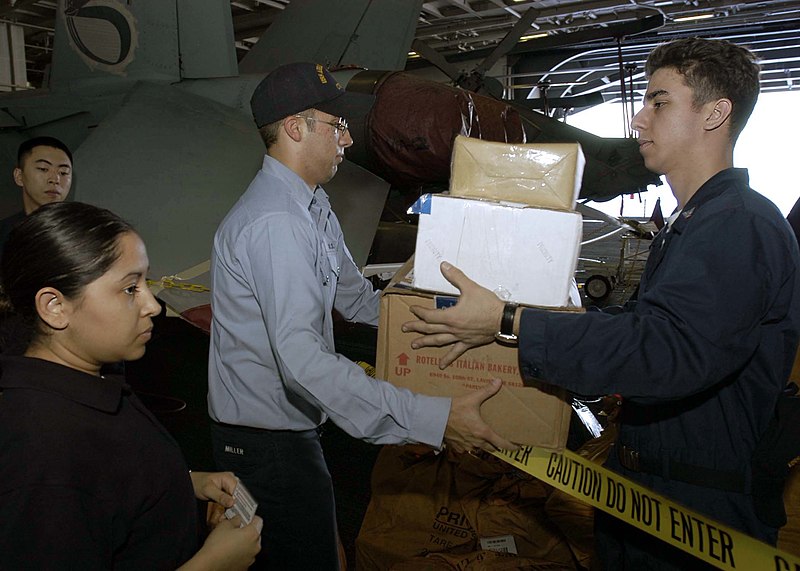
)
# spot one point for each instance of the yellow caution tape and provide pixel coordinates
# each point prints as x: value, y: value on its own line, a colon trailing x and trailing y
x: 175, y: 282
x: 368, y: 369
x: 706, y: 539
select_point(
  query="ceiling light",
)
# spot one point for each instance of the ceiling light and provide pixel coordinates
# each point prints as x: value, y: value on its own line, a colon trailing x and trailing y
x: 533, y: 37
x: 692, y: 18
x: 413, y: 55
x: 536, y: 87
x: 783, y: 12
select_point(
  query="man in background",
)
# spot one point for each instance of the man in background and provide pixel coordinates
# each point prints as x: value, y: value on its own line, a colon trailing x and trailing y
x: 44, y: 173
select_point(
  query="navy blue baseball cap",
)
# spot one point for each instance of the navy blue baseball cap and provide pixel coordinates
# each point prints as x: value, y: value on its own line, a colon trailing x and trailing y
x: 294, y: 87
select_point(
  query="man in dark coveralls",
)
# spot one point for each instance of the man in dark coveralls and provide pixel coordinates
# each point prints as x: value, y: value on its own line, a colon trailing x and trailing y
x: 702, y: 355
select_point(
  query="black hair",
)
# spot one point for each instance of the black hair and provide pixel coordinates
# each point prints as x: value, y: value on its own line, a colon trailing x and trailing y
x: 64, y: 245
x: 26, y: 148
x: 713, y: 69
x: 269, y: 133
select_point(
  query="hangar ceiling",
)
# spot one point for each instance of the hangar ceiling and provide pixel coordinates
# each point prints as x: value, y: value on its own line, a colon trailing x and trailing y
x: 560, y: 49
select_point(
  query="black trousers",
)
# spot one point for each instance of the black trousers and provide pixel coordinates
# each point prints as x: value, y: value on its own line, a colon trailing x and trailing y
x: 286, y: 473
x: 621, y: 546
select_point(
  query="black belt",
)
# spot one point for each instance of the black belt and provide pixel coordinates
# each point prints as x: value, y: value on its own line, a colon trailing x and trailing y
x: 254, y: 430
x: 727, y: 480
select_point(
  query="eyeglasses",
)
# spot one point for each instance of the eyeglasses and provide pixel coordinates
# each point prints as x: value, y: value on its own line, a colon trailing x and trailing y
x: 340, y: 125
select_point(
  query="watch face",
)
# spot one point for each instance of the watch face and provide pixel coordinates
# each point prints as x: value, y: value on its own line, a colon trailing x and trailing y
x: 509, y: 339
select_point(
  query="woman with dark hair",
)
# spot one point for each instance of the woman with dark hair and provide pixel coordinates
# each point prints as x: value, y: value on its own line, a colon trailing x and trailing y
x: 88, y: 477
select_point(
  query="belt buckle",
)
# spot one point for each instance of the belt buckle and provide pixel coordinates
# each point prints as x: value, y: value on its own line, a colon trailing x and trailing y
x: 629, y: 458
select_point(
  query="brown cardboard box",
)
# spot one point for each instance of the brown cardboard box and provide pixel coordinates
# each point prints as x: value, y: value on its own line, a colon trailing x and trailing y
x: 526, y: 415
x: 541, y: 175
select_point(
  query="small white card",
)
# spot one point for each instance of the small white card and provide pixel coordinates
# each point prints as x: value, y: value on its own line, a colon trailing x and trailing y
x: 245, y: 506
x: 499, y: 543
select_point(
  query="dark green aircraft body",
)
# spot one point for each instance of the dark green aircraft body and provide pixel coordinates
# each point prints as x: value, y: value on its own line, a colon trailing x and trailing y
x: 160, y: 126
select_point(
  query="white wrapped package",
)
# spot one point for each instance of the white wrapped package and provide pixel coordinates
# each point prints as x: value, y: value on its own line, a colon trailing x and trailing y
x: 526, y: 255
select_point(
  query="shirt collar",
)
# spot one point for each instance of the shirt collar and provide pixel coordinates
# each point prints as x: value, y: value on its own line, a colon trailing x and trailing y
x: 300, y: 190
x: 716, y: 185
x: 671, y: 218
x: 101, y: 393
x: 727, y: 180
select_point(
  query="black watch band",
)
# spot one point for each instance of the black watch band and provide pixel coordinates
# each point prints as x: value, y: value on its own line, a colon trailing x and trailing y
x: 506, y: 332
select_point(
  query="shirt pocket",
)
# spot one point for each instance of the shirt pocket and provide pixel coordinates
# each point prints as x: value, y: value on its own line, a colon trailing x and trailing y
x: 329, y: 265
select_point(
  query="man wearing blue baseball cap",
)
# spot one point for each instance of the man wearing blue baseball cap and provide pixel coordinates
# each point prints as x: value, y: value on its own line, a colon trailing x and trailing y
x: 279, y: 268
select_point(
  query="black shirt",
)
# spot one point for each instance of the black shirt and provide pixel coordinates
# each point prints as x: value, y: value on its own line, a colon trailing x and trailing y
x: 6, y: 225
x: 88, y: 477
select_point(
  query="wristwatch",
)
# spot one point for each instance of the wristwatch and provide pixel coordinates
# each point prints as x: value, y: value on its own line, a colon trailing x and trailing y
x: 506, y: 333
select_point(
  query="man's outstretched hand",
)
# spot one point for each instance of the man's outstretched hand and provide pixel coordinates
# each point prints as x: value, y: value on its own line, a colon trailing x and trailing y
x: 473, y: 321
x: 466, y: 430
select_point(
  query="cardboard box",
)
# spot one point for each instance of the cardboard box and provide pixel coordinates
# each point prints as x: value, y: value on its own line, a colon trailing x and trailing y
x: 532, y: 415
x: 541, y: 175
x: 526, y: 255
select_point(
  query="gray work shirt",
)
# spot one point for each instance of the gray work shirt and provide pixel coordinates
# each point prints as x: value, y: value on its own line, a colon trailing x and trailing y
x: 278, y: 267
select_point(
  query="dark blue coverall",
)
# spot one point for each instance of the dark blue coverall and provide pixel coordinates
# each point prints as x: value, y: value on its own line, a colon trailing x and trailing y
x: 699, y: 360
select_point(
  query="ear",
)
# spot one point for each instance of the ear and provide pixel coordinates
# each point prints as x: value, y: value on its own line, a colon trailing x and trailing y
x: 718, y: 114
x: 18, y: 176
x: 291, y: 125
x: 53, y: 308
